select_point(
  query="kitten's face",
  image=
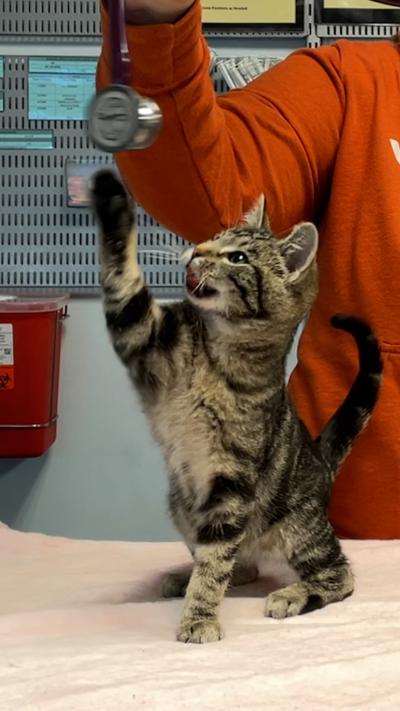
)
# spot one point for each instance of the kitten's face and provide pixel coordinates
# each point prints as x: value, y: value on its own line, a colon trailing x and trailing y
x: 247, y: 273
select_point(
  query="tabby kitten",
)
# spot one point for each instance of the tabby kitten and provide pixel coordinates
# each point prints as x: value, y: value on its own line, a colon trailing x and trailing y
x: 246, y: 478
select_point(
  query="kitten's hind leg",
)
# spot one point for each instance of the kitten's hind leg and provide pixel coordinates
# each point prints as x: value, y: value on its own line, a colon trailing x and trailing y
x: 325, y: 575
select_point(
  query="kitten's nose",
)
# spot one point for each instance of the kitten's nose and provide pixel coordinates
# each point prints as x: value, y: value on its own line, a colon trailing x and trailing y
x: 192, y: 276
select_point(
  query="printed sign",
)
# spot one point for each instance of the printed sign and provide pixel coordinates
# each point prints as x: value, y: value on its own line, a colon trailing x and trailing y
x: 60, y: 89
x: 78, y: 181
x: 238, y: 12
x: 6, y: 344
x: 282, y: 15
x: 6, y: 356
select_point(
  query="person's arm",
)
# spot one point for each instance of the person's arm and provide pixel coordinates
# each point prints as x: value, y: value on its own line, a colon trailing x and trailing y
x: 152, y: 12
x: 215, y: 156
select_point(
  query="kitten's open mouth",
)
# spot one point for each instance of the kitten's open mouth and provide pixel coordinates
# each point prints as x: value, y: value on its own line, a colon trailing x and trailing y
x: 202, y: 292
x: 195, y: 287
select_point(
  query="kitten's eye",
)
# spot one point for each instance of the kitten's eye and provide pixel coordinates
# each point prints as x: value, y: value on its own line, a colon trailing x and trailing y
x: 236, y: 257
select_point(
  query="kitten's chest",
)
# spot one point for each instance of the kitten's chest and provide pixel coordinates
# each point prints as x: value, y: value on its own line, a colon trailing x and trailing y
x: 189, y: 424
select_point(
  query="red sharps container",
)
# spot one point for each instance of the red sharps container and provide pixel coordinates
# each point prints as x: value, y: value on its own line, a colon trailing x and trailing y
x: 30, y: 345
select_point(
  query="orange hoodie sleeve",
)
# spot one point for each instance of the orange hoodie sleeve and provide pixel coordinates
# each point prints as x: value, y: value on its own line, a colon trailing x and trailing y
x: 216, y: 155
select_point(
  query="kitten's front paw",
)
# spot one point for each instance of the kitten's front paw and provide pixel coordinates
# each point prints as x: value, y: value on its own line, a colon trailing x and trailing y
x: 286, y: 602
x: 174, y: 585
x: 200, y: 632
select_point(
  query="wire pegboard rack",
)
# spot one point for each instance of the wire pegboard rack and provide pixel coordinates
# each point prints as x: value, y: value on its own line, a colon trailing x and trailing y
x: 361, y: 32
x: 49, y: 21
x: 44, y: 243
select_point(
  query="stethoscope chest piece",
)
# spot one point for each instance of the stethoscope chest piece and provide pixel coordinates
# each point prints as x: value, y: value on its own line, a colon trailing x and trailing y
x: 113, y: 118
x: 119, y: 118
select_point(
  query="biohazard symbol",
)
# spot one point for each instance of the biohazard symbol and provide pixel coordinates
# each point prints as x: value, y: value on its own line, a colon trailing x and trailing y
x: 6, y: 378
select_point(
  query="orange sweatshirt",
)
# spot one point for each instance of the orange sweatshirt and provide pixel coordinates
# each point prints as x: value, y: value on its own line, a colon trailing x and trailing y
x: 318, y: 134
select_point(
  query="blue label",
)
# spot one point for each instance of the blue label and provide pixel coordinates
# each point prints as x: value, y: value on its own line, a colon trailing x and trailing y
x: 26, y: 140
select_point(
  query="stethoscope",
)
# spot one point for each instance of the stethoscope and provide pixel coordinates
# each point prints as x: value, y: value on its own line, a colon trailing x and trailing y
x: 119, y: 118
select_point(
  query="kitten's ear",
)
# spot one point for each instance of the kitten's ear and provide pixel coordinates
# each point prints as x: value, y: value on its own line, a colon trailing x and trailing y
x: 299, y: 249
x: 257, y: 216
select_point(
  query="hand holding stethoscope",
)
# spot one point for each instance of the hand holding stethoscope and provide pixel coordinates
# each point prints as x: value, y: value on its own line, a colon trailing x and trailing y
x: 120, y: 119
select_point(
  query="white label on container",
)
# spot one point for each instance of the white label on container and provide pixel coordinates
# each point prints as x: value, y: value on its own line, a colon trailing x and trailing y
x: 6, y: 344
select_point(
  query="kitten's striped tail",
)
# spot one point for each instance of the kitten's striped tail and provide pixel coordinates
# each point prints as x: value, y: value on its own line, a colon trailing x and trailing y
x: 350, y: 419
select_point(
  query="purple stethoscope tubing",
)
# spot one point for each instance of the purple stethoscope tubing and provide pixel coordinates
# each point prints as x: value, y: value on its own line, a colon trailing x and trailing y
x: 121, y: 66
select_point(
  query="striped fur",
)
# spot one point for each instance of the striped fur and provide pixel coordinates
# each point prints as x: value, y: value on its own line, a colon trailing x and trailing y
x: 246, y: 479
x: 336, y: 439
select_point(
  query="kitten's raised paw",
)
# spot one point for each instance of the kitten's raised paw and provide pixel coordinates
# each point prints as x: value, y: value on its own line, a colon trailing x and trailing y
x: 175, y: 584
x: 200, y: 632
x: 286, y: 602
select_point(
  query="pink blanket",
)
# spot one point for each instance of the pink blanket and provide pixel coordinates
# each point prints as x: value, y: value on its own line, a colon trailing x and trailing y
x: 82, y: 627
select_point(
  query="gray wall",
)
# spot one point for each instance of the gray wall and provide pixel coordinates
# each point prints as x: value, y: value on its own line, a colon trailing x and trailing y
x: 104, y: 477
